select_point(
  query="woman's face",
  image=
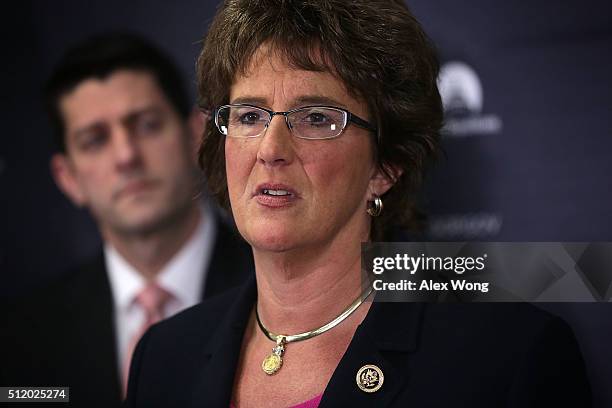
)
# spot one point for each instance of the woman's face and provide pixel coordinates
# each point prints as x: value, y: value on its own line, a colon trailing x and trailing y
x: 328, y: 181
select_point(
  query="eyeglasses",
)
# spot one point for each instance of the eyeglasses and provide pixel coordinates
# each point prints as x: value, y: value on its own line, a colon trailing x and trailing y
x: 309, y: 122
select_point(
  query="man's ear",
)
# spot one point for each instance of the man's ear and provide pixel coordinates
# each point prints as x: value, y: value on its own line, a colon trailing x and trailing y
x: 65, y: 179
x: 383, y: 180
x: 196, y: 123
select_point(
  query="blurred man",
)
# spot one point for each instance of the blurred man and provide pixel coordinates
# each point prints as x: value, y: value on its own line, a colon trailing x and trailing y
x: 128, y: 139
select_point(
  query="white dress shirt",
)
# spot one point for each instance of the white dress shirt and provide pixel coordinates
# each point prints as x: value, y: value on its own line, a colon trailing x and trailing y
x: 183, y: 277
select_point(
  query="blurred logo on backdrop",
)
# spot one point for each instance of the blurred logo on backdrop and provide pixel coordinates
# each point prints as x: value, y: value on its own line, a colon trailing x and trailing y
x: 465, y: 226
x: 474, y: 216
x: 462, y: 97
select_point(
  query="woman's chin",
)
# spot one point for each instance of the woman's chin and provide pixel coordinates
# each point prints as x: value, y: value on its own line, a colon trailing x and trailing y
x: 272, y: 238
x: 266, y: 233
x: 272, y: 243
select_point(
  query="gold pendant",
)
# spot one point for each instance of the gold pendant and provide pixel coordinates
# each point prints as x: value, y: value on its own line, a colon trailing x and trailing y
x: 274, y: 361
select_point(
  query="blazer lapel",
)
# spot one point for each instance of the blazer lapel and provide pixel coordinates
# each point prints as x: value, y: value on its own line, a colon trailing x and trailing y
x: 102, y: 326
x: 386, y: 339
x: 91, y: 305
x: 381, y: 341
x: 216, y: 379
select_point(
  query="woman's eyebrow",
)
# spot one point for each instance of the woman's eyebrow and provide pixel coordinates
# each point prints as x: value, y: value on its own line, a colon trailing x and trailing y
x: 316, y: 100
x: 249, y: 100
x: 299, y: 101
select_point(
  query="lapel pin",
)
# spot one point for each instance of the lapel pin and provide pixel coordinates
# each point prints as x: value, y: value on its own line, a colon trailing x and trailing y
x: 369, y: 378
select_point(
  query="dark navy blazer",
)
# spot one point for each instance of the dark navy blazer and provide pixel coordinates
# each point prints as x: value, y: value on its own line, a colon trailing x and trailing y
x: 432, y: 355
x: 64, y: 334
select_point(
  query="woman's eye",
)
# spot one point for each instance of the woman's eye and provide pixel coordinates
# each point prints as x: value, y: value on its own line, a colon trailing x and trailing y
x: 249, y: 118
x: 316, y: 118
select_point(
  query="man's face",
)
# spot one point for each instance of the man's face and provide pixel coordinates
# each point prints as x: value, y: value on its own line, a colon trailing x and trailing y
x: 129, y: 157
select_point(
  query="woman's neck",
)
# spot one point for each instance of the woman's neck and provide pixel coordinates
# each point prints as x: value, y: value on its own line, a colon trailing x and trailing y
x: 301, y: 290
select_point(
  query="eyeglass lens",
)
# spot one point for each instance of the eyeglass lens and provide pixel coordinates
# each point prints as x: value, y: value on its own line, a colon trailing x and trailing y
x: 307, y: 123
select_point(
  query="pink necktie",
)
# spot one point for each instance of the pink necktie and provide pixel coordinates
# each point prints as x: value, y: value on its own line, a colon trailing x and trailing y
x: 152, y: 300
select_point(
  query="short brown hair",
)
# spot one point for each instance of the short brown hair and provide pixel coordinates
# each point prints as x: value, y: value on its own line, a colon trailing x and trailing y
x: 375, y: 47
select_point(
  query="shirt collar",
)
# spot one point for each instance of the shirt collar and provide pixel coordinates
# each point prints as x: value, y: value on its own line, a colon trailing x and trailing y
x: 184, y: 275
x: 125, y: 281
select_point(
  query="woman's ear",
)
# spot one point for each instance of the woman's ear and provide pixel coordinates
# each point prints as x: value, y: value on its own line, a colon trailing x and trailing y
x: 384, y: 178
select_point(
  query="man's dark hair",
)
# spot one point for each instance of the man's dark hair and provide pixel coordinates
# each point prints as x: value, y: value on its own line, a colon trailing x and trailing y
x: 375, y: 47
x: 99, y: 57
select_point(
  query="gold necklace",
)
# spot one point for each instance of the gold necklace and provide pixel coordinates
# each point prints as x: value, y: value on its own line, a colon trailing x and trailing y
x: 274, y: 361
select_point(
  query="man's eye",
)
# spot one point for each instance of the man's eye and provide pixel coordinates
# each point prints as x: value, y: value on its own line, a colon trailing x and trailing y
x: 93, y: 141
x: 147, y: 126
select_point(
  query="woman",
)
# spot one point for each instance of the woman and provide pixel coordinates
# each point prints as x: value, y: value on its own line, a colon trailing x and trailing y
x: 323, y: 112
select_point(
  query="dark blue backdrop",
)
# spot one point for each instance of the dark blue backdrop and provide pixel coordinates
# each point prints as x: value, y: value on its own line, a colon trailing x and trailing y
x: 528, y: 138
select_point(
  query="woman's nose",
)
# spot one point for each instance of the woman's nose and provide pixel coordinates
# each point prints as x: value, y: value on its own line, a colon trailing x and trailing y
x: 276, y: 146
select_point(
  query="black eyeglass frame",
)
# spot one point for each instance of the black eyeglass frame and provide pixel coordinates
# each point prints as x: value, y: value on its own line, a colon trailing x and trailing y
x: 350, y: 118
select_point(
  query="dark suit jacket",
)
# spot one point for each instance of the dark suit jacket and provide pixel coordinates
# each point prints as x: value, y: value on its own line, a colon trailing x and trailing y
x: 432, y: 355
x: 64, y: 335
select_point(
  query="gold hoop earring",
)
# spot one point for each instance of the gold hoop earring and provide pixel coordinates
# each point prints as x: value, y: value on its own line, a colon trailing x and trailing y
x: 375, y: 206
